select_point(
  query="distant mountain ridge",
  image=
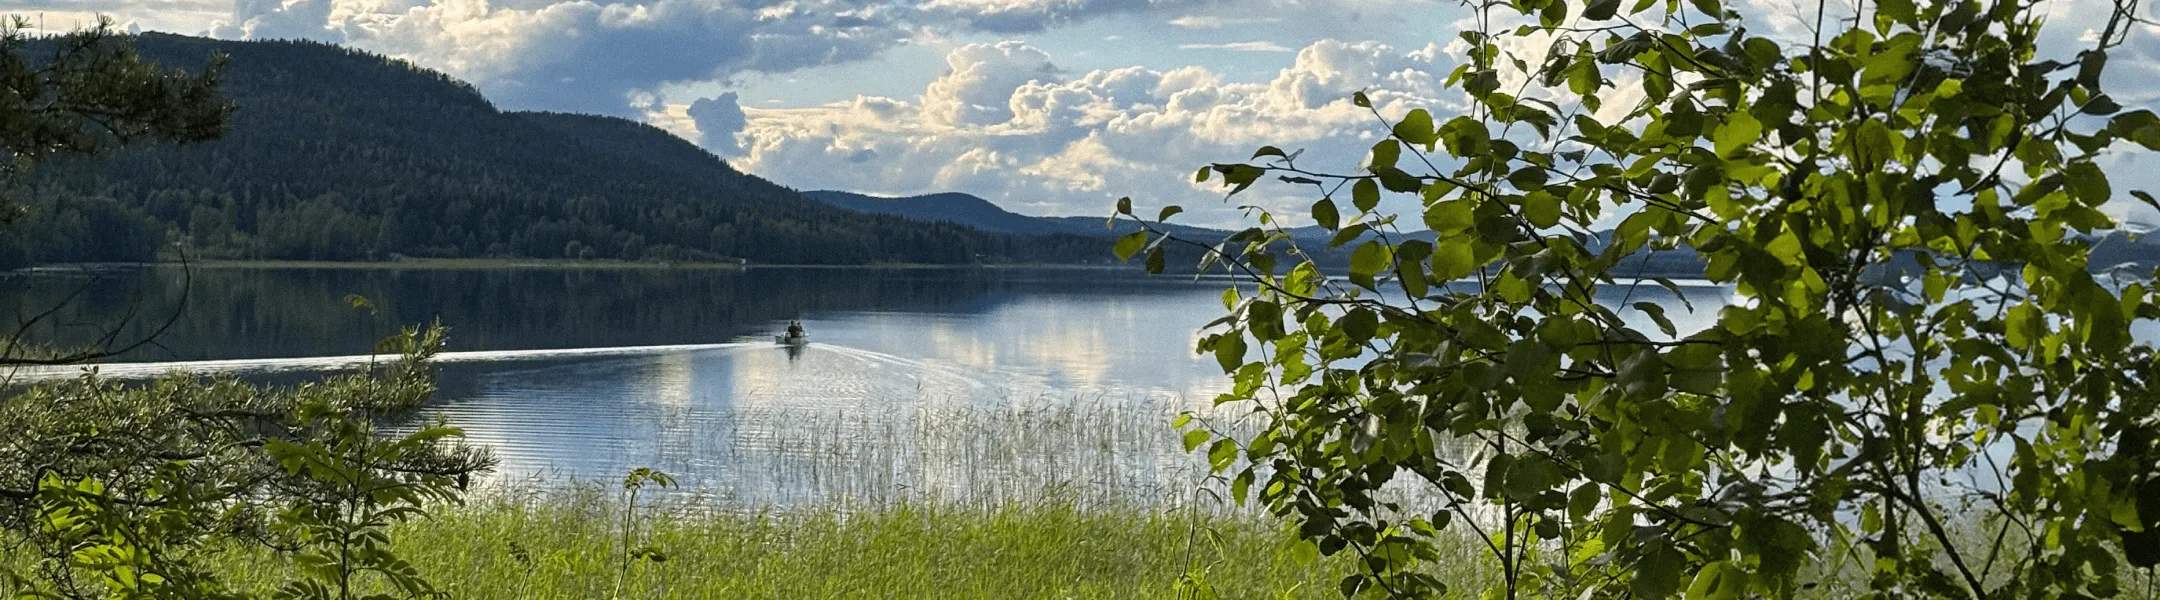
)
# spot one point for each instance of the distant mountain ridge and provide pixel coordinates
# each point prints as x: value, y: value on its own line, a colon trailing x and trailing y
x: 338, y: 154
x: 964, y: 209
x: 972, y: 211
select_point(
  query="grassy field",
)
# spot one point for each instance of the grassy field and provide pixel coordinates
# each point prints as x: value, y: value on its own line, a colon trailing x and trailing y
x: 570, y: 546
x: 572, y: 549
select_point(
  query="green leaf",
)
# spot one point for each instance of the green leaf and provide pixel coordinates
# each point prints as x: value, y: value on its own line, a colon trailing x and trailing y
x: 1599, y: 10
x: 1324, y: 214
x: 1222, y: 453
x: 1385, y: 153
x: 1450, y: 216
x: 1359, y: 99
x: 2148, y: 503
x: 1542, y: 209
x: 1124, y: 206
x: 2088, y: 183
x: 1349, y: 234
x: 2142, y: 548
x: 1396, y: 180
x: 1365, y: 194
x: 1584, y: 500
x: 1452, y: 259
x: 1417, y: 128
x: 1129, y: 244
x: 1896, y: 11
x: 1194, y: 438
x: 1656, y: 312
x: 2139, y: 126
x: 1230, y: 352
x: 1167, y: 212
x: 1739, y: 130
x: 1717, y: 581
x: 1658, y: 574
x: 1583, y: 78
x: 2146, y: 198
x: 1267, y: 151
x: 1351, y: 585
x: 1466, y: 137
x: 1892, y: 63
x: 2101, y: 105
x: 1410, y: 266
x: 1529, y: 360
x: 1369, y: 259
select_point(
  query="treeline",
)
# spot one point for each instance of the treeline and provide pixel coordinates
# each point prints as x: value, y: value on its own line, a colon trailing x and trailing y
x: 336, y: 154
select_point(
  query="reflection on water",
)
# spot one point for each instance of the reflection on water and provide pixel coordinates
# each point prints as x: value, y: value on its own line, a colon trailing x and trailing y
x: 1033, y: 393
x: 955, y: 384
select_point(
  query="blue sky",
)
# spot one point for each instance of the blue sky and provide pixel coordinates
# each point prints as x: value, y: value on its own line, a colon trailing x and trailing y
x: 1047, y: 107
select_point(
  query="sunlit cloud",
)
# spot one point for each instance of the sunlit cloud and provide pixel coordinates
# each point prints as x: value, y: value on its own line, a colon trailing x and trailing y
x: 1238, y: 47
x: 1212, y: 22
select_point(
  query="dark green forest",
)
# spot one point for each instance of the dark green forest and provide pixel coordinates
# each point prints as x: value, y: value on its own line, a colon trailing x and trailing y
x: 336, y: 154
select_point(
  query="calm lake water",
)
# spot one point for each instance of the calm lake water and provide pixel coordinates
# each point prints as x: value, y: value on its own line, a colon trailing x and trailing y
x: 953, y: 384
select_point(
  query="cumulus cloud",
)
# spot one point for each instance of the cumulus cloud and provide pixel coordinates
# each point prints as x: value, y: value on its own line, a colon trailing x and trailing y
x: 718, y: 120
x: 1004, y: 124
x: 1238, y: 47
x: 595, y: 55
x: 977, y: 87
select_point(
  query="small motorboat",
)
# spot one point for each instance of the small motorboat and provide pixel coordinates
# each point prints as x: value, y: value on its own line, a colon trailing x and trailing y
x: 799, y: 340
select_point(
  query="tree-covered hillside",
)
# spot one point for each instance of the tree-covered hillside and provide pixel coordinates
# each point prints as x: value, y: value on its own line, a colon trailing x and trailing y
x: 336, y: 154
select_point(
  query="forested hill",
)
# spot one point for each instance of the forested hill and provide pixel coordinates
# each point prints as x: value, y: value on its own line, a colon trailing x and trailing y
x: 336, y: 154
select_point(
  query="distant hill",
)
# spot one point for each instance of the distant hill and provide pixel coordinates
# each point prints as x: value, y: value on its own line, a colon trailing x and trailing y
x: 976, y: 212
x: 336, y: 154
x: 965, y: 209
x: 2122, y: 250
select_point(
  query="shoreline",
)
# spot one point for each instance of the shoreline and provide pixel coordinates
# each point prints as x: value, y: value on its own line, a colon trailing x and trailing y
x: 535, y: 264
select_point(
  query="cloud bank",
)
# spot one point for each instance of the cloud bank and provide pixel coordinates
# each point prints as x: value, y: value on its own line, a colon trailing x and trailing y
x: 600, y: 57
x: 1005, y: 123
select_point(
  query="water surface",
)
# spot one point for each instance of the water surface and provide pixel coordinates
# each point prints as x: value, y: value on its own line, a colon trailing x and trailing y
x: 957, y: 384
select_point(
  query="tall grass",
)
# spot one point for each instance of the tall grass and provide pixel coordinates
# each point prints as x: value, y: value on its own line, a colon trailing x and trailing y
x: 1048, y: 499
x: 569, y: 546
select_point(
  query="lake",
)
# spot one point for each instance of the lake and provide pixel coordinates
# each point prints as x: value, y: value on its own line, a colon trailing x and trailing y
x: 957, y: 384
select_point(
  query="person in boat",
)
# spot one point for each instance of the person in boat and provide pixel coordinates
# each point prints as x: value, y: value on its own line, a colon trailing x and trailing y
x: 795, y: 330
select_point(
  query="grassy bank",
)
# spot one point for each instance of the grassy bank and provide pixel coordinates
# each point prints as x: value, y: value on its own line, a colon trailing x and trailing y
x: 572, y: 549
x: 570, y: 546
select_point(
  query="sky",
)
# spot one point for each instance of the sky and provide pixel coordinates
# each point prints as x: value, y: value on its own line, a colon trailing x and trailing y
x: 1045, y: 107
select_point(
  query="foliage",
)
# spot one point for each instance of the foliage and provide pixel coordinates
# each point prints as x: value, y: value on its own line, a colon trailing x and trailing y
x: 634, y: 549
x: 562, y: 543
x: 337, y: 154
x: 88, y: 92
x: 122, y: 491
x: 125, y: 491
x: 1903, y: 207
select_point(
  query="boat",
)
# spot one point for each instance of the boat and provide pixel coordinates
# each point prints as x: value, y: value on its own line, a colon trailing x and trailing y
x: 800, y: 340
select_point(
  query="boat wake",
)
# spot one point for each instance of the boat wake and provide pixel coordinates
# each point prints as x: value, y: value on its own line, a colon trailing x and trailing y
x: 927, y: 369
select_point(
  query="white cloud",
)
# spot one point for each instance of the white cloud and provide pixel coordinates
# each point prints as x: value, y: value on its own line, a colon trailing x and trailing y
x: 978, y: 87
x: 1068, y: 144
x: 718, y: 120
x: 1237, y: 47
x: 1212, y: 22
x: 594, y: 55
